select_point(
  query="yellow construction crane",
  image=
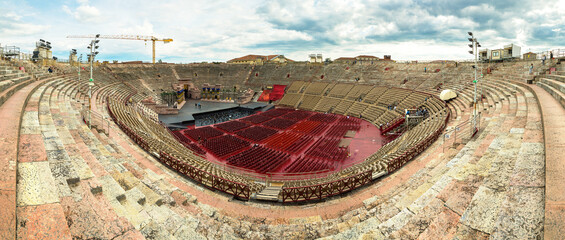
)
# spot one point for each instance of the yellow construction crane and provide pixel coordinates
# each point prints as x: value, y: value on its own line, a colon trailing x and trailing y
x: 127, y: 37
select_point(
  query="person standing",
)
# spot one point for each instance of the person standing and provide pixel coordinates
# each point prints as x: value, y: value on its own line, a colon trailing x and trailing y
x: 531, y: 68
x: 543, y: 60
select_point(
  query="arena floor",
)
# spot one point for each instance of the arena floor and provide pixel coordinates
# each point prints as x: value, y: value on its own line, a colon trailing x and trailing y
x: 365, y: 140
x: 188, y: 109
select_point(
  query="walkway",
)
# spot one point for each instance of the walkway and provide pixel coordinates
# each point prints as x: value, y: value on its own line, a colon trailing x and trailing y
x: 554, y: 129
x: 10, y: 115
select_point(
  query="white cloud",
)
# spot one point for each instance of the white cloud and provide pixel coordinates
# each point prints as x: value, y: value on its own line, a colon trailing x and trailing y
x: 223, y: 29
x: 482, y: 9
x: 11, y: 25
x: 84, y: 12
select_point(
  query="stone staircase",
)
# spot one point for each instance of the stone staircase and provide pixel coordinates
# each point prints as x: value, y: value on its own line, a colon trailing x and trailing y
x: 270, y: 193
x: 87, y: 176
x: 93, y: 185
x: 11, y: 80
x: 554, y: 84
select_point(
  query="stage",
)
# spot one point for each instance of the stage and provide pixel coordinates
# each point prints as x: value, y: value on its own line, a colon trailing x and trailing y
x: 188, y: 111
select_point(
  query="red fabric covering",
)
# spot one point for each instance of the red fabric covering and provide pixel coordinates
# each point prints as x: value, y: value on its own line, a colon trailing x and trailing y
x: 264, y: 96
x: 273, y: 95
x: 278, y: 92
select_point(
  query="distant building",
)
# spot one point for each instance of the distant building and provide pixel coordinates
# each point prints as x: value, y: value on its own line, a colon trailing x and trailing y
x: 529, y: 56
x: 484, y: 54
x: 345, y: 60
x: 316, y: 58
x: 361, y: 59
x: 366, y: 59
x: 260, y: 59
x: 509, y: 51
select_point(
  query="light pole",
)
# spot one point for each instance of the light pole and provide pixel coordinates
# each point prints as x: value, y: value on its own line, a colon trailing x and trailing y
x: 474, y: 46
x: 79, y: 67
x: 91, y: 56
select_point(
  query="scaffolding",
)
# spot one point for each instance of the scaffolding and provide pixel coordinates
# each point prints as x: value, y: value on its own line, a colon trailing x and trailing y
x: 11, y: 52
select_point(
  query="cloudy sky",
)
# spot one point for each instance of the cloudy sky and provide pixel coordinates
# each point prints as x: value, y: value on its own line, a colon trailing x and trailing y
x: 221, y: 30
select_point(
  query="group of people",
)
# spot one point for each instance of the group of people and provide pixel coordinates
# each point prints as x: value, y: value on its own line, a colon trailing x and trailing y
x: 544, y: 57
x: 421, y: 111
x: 219, y: 117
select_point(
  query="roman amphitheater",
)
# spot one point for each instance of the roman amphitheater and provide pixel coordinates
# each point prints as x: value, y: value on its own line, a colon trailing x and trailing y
x: 336, y: 157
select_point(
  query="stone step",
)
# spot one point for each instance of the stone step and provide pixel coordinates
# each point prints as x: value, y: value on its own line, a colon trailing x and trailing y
x: 105, y: 186
x: 9, y: 89
x: 424, y: 204
x: 8, y: 70
x: 416, y: 199
x: 62, y: 166
x: 555, y: 84
x: 102, y: 141
x: 411, y: 212
x: 421, y: 205
x: 11, y: 76
x: 13, y: 81
x: 38, y: 195
x: 560, y: 78
x: 558, y: 95
x: 269, y: 194
x: 523, y: 207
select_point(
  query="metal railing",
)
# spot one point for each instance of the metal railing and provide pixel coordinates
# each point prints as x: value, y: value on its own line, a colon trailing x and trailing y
x: 98, y: 120
x: 462, y: 131
x: 557, y: 53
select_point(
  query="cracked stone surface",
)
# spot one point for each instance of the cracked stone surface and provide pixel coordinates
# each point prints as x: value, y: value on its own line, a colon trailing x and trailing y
x: 36, y: 184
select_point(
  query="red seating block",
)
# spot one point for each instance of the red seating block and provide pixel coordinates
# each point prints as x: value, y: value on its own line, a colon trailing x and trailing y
x: 260, y: 159
x: 277, y: 112
x: 256, y: 133
x: 232, y: 126
x: 280, y: 123
x: 256, y: 119
x: 202, y: 133
x: 224, y: 145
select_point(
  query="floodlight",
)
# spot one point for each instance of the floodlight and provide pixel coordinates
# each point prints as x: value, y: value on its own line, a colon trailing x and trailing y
x: 97, y: 35
x: 470, y: 39
x: 96, y: 47
x: 471, y: 52
x: 96, y: 53
x: 470, y: 33
x: 97, y: 41
x: 470, y: 45
x: 478, y: 45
